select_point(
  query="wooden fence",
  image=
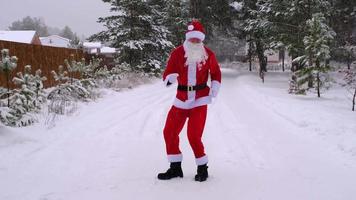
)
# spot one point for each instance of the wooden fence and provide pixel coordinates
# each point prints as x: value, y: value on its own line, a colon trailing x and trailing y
x: 39, y: 57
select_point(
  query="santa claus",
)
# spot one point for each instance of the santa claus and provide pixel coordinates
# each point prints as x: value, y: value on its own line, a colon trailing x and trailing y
x: 190, y: 65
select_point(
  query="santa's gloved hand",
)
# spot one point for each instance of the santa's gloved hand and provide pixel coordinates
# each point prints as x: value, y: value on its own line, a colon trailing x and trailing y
x: 170, y: 79
x: 214, y: 90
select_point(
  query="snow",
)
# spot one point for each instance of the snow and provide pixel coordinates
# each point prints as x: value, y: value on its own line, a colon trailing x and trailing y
x: 18, y: 36
x: 91, y: 45
x: 237, y: 5
x: 262, y: 143
x: 107, y: 50
x: 104, y: 50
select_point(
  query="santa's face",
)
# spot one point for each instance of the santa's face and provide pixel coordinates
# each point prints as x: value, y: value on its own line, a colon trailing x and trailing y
x: 195, y: 40
x: 194, y: 51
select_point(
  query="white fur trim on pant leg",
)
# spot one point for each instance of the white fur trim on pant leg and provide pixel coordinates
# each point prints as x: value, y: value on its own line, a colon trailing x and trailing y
x: 175, y: 158
x: 202, y: 160
x: 172, y: 78
x: 195, y: 34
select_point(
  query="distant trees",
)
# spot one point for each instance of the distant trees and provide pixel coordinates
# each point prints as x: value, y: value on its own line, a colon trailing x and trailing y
x: 29, y: 23
x: 39, y: 25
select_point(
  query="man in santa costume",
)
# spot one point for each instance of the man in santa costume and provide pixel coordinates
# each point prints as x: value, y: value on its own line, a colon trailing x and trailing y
x: 190, y: 64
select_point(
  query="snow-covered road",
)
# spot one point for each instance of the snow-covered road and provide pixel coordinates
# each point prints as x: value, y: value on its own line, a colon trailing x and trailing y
x: 259, y: 147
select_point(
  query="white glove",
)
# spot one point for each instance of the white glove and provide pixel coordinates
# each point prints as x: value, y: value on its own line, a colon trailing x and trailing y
x: 214, y: 90
x: 170, y: 79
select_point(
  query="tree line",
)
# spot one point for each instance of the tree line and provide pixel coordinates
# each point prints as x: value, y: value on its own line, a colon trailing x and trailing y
x: 311, y: 31
x: 43, y: 30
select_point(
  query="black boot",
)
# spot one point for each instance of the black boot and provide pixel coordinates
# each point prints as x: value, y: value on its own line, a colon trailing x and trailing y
x: 202, y: 173
x: 174, y: 171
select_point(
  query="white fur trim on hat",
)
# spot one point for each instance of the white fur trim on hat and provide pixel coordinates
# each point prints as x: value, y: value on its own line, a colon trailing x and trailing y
x: 195, y: 34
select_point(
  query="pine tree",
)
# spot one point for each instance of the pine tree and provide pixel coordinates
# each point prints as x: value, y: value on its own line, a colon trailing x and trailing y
x: 29, y: 23
x: 7, y: 64
x: 22, y: 101
x: 214, y: 15
x: 343, y: 17
x: 67, y: 33
x: 288, y: 18
x: 39, y: 89
x: 257, y: 30
x: 317, y: 42
x: 350, y: 84
x: 176, y: 20
x: 27, y: 86
x: 137, y: 34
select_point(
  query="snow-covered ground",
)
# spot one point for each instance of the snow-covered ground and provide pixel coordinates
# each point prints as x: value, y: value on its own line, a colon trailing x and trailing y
x: 262, y: 144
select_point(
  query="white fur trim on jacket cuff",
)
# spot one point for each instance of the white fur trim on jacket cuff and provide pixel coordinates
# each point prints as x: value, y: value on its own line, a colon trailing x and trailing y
x: 202, y: 160
x: 175, y: 158
x: 172, y: 78
x: 195, y: 34
x: 215, y: 87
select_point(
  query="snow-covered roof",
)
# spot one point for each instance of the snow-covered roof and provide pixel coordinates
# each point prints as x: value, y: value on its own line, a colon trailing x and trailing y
x: 18, y: 36
x: 92, y: 45
x: 55, y: 40
x: 107, y: 50
x: 103, y: 50
x: 55, y: 36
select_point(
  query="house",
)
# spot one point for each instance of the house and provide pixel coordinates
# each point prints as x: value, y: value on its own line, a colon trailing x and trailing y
x: 28, y: 37
x: 99, y: 50
x: 55, y: 41
x: 92, y: 47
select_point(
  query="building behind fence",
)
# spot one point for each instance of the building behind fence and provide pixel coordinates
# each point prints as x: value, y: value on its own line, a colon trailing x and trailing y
x: 45, y: 58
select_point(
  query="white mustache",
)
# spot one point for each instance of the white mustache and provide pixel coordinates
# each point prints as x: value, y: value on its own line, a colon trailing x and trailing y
x: 194, y: 52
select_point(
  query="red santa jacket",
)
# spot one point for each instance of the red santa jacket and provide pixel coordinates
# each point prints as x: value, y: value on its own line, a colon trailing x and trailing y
x: 193, y: 74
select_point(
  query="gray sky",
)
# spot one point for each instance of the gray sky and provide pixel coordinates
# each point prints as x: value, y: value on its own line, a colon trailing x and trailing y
x: 79, y: 15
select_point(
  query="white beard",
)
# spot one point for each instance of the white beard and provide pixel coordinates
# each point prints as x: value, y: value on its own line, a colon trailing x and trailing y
x: 194, y: 52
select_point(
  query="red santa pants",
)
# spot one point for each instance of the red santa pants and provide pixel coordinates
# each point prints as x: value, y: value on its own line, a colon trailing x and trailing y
x: 174, y: 124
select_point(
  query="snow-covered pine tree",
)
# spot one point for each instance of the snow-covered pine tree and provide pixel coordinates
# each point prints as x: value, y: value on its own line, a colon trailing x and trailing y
x: 342, y: 20
x: 26, y: 89
x: 176, y: 20
x: 257, y: 30
x: 317, y: 42
x: 7, y: 64
x: 350, y: 53
x: 64, y: 96
x: 287, y: 19
x: 215, y: 15
x: 39, y: 89
x: 134, y: 31
x: 86, y: 73
x: 22, y: 101
x: 68, y: 89
x: 350, y: 84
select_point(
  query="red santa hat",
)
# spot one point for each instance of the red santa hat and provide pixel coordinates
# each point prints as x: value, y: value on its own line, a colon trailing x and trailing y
x: 195, y: 30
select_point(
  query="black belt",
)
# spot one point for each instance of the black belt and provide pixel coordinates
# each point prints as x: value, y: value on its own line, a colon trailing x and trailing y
x: 190, y: 88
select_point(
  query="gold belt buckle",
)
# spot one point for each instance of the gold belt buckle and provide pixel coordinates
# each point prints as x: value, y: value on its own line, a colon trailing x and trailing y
x: 190, y: 88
